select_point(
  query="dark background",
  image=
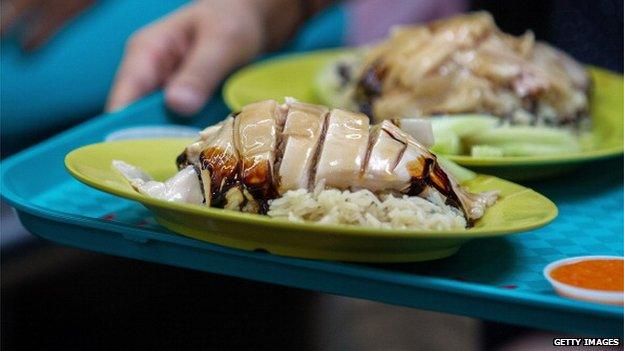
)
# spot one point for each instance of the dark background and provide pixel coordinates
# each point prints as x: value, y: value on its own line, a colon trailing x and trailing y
x: 589, y: 30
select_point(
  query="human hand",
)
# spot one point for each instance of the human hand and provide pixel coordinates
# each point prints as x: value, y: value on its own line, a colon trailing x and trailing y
x: 191, y: 50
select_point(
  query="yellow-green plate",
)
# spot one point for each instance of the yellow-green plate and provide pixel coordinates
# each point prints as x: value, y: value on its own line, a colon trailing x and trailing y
x: 519, y: 209
x: 295, y: 75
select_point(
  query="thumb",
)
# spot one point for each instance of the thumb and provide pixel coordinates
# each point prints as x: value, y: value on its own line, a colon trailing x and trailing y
x: 208, y: 62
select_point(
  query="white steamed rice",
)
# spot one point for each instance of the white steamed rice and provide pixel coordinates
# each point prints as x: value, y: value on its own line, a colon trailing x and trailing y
x: 364, y: 208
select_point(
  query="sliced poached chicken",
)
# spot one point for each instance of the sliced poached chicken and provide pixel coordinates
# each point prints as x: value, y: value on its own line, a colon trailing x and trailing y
x: 343, y: 150
x: 384, y: 153
x: 256, y: 129
x: 419, y: 169
x: 219, y: 164
x: 300, y: 140
x: 190, y: 156
x: 268, y: 149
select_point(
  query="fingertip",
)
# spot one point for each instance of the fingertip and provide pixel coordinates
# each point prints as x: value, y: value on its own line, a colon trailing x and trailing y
x: 116, y: 101
x: 125, y: 91
x: 183, y: 99
x: 111, y: 107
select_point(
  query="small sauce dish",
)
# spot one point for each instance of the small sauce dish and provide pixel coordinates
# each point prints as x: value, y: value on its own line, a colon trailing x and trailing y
x: 589, y: 278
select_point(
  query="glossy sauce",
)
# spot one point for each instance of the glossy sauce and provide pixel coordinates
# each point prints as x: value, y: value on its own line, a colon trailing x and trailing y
x: 258, y: 180
x: 425, y: 171
x: 369, y: 87
x: 595, y: 274
x: 223, y: 169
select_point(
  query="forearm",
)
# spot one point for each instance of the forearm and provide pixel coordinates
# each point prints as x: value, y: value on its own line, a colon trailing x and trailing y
x: 282, y: 18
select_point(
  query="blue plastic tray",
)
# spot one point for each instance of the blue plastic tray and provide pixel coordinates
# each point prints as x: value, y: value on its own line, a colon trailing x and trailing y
x: 496, y: 279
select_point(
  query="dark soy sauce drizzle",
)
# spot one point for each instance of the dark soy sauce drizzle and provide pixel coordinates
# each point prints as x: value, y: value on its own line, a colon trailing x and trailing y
x: 369, y: 87
x: 182, y: 160
x: 259, y: 183
x: 425, y: 171
x: 228, y: 171
x: 223, y: 171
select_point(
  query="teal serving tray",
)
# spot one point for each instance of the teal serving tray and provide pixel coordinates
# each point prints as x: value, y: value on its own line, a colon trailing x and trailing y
x: 496, y: 279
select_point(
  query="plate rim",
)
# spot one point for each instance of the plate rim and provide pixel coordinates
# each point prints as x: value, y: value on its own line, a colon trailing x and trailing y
x: 509, y: 161
x: 71, y: 160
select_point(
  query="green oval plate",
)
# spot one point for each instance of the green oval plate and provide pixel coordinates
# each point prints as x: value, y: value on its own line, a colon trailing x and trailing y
x: 294, y: 75
x: 519, y: 209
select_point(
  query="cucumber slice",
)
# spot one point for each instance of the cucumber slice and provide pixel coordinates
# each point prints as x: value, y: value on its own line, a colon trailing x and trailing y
x: 486, y: 151
x: 458, y: 172
x: 463, y: 125
x: 535, y: 149
x: 522, y: 134
x: 446, y: 143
